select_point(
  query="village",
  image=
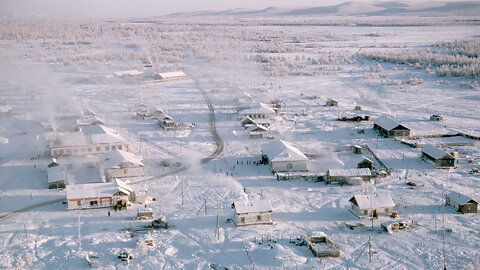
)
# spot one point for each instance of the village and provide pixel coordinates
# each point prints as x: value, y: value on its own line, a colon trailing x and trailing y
x: 228, y: 173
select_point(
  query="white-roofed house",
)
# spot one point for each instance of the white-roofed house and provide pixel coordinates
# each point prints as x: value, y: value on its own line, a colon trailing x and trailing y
x: 56, y: 175
x: 372, y: 205
x: 257, y: 111
x: 119, y: 164
x: 98, y: 195
x: 257, y: 131
x: 169, y: 76
x: 343, y: 176
x: 388, y: 127
x: 96, y: 139
x: 438, y: 156
x: 284, y: 157
x: 166, y: 121
x: 256, y: 212
x: 462, y: 203
x: 89, y: 121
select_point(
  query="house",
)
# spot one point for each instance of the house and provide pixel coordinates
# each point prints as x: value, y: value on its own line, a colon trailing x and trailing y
x: 90, y: 121
x: 257, y: 131
x: 365, y: 163
x: 119, y: 164
x: 357, y: 149
x: 169, y: 76
x: 246, y: 122
x: 343, y: 176
x: 92, y: 140
x: 139, y: 110
x: 441, y: 158
x: 56, y: 175
x: 88, y: 113
x: 257, y: 111
x: 165, y: 121
x: 388, y: 127
x: 252, y: 213
x: 331, y: 103
x: 372, y: 205
x: 155, y: 112
x: 98, y: 195
x: 284, y: 157
x: 436, y: 117
x: 462, y: 203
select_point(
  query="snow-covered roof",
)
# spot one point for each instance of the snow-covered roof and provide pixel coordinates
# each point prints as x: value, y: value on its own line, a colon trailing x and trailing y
x: 88, y: 121
x: 96, y: 134
x: 257, y: 127
x: 257, y: 206
x: 279, y: 150
x: 247, y: 120
x: 88, y: 113
x: 55, y: 174
x: 173, y: 74
x: 165, y: 116
x: 93, y: 190
x: 460, y: 198
x: 258, y: 108
x: 373, y: 201
x: 387, y: 123
x: 132, y: 72
x: 121, y: 158
x: 350, y: 172
x: 435, y: 152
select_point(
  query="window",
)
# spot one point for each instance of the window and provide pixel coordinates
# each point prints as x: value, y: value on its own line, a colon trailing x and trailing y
x: 365, y: 212
x: 259, y: 217
x: 107, y: 148
x: 119, y: 147
x: 98, y: 148
x: 113, y: 147
x: 61, y: 151
x: 93, y: 203
x: 54, y: 152
x: 289, y: 166
x: 79, y: 203
x: 89, y: 149
x: 83, y: 150
x: 242, y: 220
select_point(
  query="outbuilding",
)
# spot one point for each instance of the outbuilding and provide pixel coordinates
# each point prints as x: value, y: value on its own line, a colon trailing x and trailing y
x: 247, y: 122
x: 284, y: 157
x: 98, y: 195
x: 345, y: 176
x: 252, y: 213
x: 169, y: 76
x: 440, y: 158
x: 388, y: 127
x: 56, y: 175
x: 120, y: 164
x: 365, y: 163
x: 372, y: 205
x: 462, y: 203
x: 257, y: 131
x: 166, y: 121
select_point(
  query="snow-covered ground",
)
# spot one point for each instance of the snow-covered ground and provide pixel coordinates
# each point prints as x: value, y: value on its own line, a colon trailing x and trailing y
x: 50, y: 69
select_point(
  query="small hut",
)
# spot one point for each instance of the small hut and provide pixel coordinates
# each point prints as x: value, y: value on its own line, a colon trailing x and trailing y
x: 365, y: 163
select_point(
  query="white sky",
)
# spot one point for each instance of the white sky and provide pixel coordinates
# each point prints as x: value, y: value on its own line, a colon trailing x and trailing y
x: 143, y: 8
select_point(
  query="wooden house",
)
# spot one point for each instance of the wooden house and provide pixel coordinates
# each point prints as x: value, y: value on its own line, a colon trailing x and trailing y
x: 252, y: 213
x: 98, y: 195
x: 120, y: 164
x: 284, y: 157
x: 247, y: 122
x: 387, y: 127
x: 365, y: 163
x: 345, y: 176
x: 169, y: 76
x: 462, y: 203
x: 257, y: 131
x: 372, y: 205
x: 440, y: 158
x: 165, y: 121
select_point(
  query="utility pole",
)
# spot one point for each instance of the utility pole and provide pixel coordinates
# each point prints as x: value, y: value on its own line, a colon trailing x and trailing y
x: 182, y: 195
x: 25, y: 227
x: 443, y: 227
x: 79, y: 237
x: 217, y: 229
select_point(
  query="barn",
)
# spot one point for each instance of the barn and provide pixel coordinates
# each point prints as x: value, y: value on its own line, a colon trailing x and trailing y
x: 252, y: 213
x: 387, y: 127
x: 257, y: 111
x: 98, y: 195
x: 440, y: 158
x: 372, y: 205
x: 120, y: 164
x: 462, y: 203
x: 170, y: 76
x: 343, y: 176
x: 96, y: 139
x: 284, y: 157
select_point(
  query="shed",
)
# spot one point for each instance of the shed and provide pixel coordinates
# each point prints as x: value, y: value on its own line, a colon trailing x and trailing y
x: 169, y: 76
x: 252, y: 213
x: 462, y: 203
x: 440, y: 158
x: 388, y: 127
x: 257, y: 131
x: 284, y: 157
x: 372, y: 205
x: 331, y: 102
x: 97, y: 195
x: 56, y: 177
x: 436, y: 117
x: 365, y: 163
x: 343, y: 176
x: 119, y: 164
